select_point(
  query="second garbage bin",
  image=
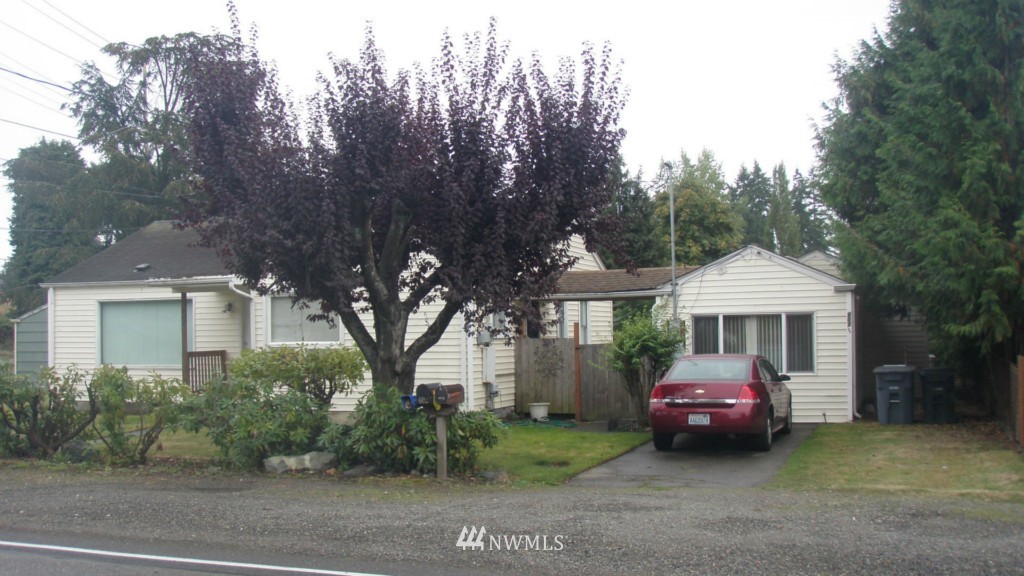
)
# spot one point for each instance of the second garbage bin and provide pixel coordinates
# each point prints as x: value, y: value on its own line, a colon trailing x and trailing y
x: 894, y: 385
x: 937, y: 388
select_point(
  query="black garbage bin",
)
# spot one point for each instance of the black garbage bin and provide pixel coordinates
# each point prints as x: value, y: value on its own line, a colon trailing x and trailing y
x: 937, y: 390
x: 894, y: 385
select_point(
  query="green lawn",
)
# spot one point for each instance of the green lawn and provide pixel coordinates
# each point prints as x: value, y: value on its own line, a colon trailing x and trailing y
x: 948, y: 460
x: 552, y: 455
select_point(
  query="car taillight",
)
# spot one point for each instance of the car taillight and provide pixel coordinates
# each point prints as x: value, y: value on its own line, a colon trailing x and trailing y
x: 657, y: 395
x: 747, y: 396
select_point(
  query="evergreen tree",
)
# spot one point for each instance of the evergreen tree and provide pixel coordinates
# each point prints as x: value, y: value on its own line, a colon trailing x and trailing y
x: 921, y: 158
x: 811, y: 214
x: 750, y: 196
x: 48, y: 185
x: 634, y: 205
x: 782, y: 218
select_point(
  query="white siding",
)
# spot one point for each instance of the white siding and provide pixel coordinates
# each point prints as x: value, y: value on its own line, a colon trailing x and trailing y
x: 76, y: 311
x: 760, y: 284
x: 821, y: 261
x: 77, y: 329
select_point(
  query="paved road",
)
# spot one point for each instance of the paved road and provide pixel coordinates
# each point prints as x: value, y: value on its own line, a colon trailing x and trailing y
x: 696, y: 461
x: 406, y: 526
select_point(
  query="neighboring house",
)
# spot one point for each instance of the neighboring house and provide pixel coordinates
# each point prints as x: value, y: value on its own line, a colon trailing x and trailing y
x: 800, y: 317
x: 127, y: 305
x: 30, y: 342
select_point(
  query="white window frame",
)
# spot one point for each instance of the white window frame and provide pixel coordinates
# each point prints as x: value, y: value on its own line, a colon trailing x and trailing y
x: 268, y: 326
x: 190, y: 338
x: 783, y: 317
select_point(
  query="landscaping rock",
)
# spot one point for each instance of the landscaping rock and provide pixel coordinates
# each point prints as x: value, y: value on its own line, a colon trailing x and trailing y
x: 359, y: 471
x: 312, y: 462
x: 77, y: 451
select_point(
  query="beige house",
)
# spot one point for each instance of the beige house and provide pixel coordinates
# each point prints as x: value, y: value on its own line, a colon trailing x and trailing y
x: 801, y: 317
x: 127, y: 304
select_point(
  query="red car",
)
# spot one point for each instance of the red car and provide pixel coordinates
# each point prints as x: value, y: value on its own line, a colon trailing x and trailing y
x: 721, y: 394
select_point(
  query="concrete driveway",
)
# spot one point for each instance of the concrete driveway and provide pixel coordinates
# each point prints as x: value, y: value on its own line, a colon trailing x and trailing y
x: 696, y: 461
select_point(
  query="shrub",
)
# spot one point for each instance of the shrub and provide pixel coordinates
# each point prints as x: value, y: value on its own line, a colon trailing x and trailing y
x: 156, y: 400
x: 641, y: 351
x: 318, y: 372
x: 40, y: 417
x: 391, y: 438
x: 250, y: 420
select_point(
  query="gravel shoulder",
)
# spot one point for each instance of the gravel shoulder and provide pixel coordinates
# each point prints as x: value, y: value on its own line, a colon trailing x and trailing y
x: 405, y: 524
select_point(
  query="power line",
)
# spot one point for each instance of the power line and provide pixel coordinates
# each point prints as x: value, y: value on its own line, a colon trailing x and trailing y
x: 37, y: 103
x: 90, y: 30
x: 64, y: 54
x: 71, y: 165
x: 61, y: 188
x: 38, y: 128
x: 30, y: 69
x: 38, y: 80
x: 61, y: 24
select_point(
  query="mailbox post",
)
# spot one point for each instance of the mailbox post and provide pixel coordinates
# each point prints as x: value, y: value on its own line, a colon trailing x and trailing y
x: 438, y: 401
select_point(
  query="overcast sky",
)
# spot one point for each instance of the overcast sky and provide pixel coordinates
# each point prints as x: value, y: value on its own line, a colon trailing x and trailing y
x: 743, y: 78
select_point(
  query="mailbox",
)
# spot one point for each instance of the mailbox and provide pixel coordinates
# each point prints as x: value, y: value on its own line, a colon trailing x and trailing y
x: 437, y: 395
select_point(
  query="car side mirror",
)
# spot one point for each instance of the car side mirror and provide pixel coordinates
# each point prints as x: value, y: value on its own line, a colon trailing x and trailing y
x: 784, y: 378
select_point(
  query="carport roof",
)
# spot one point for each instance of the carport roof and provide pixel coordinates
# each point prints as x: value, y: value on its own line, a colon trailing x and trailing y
x: 616, y: 284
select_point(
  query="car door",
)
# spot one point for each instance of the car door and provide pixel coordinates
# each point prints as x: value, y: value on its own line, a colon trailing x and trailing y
x: 777, y: 391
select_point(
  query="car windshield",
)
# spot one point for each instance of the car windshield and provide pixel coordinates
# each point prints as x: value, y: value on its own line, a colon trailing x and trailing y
x: 710, y: 369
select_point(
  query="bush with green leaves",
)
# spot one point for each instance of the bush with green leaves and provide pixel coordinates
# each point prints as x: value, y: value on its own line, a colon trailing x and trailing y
x: 40, y: 416
x: 318, y: 372
x: 641, y: 351
x: 394, y: 439
x: 155, y: 400
x: 251, y: 420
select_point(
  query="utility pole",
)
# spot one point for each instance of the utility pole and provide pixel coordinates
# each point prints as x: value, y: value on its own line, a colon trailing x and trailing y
x: 672, y: 241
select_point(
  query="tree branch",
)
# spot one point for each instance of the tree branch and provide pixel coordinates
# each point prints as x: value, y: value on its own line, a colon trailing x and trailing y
x: 433, y: 332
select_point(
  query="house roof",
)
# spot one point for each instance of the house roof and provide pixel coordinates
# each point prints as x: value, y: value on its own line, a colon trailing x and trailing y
x: 154, y: 252
x: 752, y: 251
x: 615, y: 284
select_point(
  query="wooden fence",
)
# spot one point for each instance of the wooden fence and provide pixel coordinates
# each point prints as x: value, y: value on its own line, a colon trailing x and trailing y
x: 545, y: 372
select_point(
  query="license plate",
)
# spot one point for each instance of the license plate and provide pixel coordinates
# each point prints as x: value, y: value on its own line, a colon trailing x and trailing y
x: 699, y: 419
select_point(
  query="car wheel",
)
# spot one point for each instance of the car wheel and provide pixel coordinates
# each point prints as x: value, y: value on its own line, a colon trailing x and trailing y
x: 763, y: 441
x: 788, y: 426
x: 663, y: 441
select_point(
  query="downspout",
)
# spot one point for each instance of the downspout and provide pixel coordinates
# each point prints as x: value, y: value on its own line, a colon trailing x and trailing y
x: 252, y: 312
x: 853, y: 353
x: 51, y: 334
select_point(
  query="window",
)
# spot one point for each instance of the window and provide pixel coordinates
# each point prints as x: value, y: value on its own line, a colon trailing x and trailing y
x: 142, y: 333
x: 787, y: 340
x: 800, y: 342
x: 289, y: 324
